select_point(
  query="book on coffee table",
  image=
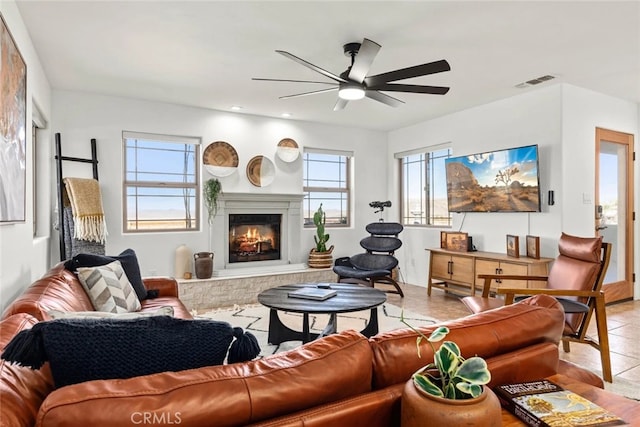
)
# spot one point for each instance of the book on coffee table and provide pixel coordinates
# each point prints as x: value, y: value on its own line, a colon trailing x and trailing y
x: 313, y: 293
x: 543, y: 403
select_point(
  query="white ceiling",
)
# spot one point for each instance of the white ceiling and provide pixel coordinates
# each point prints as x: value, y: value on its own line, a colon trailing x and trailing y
x: 204, y: 53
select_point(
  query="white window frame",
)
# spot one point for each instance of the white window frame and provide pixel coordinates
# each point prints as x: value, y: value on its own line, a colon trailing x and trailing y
x: 343, y: 187
x: 429, y: 179
x: 191, y: 188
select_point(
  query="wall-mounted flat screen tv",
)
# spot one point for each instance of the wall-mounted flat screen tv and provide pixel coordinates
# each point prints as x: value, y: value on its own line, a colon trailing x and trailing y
x: 496, y: 181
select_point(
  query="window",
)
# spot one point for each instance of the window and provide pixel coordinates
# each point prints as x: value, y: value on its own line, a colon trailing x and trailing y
x: 326, y: 175
x: 161, y: 185
x: 424, y: 187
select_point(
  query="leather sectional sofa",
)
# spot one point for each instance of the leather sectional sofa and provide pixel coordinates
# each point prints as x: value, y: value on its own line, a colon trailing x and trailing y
x: 342, y: 379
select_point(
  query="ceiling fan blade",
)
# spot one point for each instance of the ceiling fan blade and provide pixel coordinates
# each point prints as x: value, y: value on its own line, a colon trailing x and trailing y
x: 311, y: 66
x: 385, y: 99
x: 409, y: 72
x: 340, y: 104
x: 292, y: 81
x: 363, y: 60
x: 391, y: 87
x: 309, y: 93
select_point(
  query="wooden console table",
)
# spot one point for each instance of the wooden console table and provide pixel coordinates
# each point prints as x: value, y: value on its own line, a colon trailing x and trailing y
x: 462, y: 268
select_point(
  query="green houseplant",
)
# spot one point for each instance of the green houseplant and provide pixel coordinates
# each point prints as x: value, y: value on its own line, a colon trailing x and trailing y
x: 450, y: 375
x: 319, y: 219
x: 203, y: 261
x: 320, y: 256
x: 450, y: 390
x: 211, y: 191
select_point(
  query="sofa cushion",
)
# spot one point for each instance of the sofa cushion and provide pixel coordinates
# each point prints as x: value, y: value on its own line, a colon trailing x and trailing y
x: 22, y: 389
x: 57, y: 314
x: 326, y: 370
x: 127, y: 258
x: 109, y: 289
x: 81, y: 350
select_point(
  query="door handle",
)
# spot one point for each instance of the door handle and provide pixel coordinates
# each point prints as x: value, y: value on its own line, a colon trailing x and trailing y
x: 601, y: 227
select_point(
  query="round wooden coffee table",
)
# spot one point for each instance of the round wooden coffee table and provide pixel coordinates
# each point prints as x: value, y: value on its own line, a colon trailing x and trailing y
x: 349, y: 298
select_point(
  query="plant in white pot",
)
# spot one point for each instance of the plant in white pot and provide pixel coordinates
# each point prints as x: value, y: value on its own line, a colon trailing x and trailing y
x: 451, y: 390
x: 203, y: 261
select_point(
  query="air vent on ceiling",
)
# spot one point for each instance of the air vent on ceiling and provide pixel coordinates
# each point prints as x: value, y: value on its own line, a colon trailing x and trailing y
x: 535, y: 81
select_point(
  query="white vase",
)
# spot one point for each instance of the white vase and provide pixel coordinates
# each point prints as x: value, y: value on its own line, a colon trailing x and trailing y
x: 183, y: 261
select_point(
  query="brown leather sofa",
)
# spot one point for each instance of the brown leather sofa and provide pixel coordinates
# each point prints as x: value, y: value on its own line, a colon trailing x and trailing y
x: 342, y: 379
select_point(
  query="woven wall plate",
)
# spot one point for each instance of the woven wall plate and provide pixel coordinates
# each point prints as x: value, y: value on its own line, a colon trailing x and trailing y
x: 220, y: 159
x: 288, y: 150
x: 260, y: 171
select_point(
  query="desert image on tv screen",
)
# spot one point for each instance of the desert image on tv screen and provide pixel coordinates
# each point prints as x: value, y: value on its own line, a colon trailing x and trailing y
x: 499, y: 181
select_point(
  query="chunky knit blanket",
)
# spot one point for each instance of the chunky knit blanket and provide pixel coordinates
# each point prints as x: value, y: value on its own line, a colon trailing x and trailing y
x: 81, y: 350
x: 86, y: 206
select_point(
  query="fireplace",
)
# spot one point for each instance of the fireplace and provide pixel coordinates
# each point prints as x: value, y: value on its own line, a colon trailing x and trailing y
x: 254, y: 237
x: 273, y: 246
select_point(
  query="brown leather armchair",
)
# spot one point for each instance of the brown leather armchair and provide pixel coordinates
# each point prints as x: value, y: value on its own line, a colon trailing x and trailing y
x: 575, y: 280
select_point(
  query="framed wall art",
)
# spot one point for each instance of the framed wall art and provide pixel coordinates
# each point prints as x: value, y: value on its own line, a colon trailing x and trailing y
x: 456, y: 241
x: 513, y: 246
x: 13, y: 130
x: 533, y: 247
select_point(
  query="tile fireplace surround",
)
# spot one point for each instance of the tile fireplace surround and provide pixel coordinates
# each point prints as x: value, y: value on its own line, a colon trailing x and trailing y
x: 217, y: 292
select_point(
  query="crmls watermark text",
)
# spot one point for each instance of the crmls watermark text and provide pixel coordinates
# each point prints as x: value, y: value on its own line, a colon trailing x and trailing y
x: 156, y: 418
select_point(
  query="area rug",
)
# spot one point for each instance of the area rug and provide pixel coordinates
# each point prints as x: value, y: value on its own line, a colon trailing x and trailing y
x: 255, y: 319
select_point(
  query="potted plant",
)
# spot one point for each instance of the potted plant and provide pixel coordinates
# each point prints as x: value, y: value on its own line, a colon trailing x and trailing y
x: 203, y: 261
x: 320, y: 256
x: 450, y: 390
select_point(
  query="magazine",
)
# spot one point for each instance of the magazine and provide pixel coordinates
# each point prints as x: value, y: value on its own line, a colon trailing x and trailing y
x: 543, y: 403
x: 317, y: 294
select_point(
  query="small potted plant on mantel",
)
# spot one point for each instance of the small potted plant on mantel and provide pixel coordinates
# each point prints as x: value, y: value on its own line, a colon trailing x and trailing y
x: 451, y: 390
x: 203, y: 261
x: 320, y: 256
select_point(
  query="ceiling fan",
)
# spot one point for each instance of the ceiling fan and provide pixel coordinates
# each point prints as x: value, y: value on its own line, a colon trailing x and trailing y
x: 354, y: 83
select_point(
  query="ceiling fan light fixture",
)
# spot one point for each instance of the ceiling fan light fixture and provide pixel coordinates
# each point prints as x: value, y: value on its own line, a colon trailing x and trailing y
x: 350, y: 92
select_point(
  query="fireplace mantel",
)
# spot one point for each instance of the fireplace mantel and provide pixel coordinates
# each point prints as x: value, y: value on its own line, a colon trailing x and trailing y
x: 288, y: 205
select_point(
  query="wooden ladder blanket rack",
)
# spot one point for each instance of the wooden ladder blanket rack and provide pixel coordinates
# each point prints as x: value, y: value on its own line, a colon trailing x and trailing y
x: 59, y: 158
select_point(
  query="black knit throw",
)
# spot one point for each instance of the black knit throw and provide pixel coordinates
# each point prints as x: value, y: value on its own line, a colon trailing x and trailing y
x: 81, y: 350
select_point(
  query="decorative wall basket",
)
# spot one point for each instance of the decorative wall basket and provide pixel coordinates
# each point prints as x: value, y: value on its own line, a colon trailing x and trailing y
x: 220, y: 159
x: 288, y: 150
x: 261, y: 171
x: 421, y: 409
x: 321, y: 259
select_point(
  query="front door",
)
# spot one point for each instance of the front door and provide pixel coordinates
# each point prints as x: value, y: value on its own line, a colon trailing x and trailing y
x: 614, y: 209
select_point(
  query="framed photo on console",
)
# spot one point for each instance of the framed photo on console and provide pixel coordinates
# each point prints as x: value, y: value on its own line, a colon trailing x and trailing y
x: 456, y: 241
x: 533, y: 247
x: 513, y: 246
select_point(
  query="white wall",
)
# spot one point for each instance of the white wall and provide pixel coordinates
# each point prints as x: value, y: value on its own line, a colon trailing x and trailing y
x: 80, y: 117
x: 582, y: 111
x: 561, y: 119
x: 531, y: 118
x: 23, y: 258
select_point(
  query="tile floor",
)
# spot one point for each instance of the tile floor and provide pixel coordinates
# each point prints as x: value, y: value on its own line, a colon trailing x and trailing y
x: 623, y: 321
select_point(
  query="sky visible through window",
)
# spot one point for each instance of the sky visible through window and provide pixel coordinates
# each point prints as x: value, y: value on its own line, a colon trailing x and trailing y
x: 160, y: 183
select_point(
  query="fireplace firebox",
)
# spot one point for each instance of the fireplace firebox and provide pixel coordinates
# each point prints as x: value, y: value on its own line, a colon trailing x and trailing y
x: 254, y: 237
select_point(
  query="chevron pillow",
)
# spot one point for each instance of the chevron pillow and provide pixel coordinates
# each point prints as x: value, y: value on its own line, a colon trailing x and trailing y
x: 109, y: 288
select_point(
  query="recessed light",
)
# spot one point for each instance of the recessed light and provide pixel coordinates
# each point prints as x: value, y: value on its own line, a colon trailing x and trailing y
x: 236, y: 107
x: 286, y: 114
